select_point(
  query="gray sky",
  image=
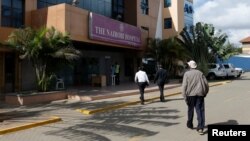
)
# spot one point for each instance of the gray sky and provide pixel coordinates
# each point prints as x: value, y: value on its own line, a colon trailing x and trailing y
x: 230, y: 16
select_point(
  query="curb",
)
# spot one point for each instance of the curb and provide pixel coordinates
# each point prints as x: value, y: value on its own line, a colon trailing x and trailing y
x: 135, y: 92
x: 112, y: 107
x: 219, y: 83
x: 31, y: 125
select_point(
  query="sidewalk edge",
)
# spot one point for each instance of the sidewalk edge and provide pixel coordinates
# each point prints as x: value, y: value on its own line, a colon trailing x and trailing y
x: 112, y: 107
x: 31, y: 125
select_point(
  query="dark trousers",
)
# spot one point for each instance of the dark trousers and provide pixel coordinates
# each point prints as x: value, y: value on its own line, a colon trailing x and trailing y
x: 142, y: 86
x: 117, y: 78
x: 197, y: 103
x: 161, y: 88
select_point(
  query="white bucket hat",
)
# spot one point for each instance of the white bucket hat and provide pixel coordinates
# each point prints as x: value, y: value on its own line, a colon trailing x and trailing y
x: 192, y: 64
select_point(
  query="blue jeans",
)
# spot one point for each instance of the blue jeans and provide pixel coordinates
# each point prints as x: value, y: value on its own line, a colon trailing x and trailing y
x: 197, y: 103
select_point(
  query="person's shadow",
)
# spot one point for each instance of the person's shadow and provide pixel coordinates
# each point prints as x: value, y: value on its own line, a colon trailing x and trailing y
x: 228, y: 122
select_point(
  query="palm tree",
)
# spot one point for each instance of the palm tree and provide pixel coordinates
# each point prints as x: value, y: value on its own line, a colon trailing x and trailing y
x: 206, y: 44
x: 167, y: 52
x: 154, y: 50
x: 200, y: 42
x: 47, y: 49
x: 172, y: 53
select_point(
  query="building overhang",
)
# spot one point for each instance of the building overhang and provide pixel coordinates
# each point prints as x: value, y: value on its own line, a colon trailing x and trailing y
x: 80, y: 24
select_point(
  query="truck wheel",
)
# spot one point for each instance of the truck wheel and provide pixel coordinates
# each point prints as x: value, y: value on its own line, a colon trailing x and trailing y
x: 211, y: 76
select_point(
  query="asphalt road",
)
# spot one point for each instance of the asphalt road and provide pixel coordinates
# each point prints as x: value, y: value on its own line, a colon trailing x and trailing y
x: 225, y: 104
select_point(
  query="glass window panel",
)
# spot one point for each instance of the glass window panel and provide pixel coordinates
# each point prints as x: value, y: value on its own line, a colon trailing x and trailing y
x: 6, y: 3
x: 6, y: 11
x: 81, y: 3
x: 167, y: 23
x: 167, y: 3
x: 87, y: 4
x: 120, y: 2
x: 12, y: 15
x: 40, y: 5
x: 52, y: 1
x: 6, y: 21
x: 17, y: 13
x: 120, y: 10
x: 70, y: 1
x: 114, y: 2
x: 108, y: 12
x: 62, y: 1
x: 17, y: 4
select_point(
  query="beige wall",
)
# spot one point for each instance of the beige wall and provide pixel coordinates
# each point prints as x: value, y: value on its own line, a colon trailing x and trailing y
x: 5, y: 32
x: 176, y: 12
x: 67, y: 18
x: 246, y: 48
x: 30, y: 5
x: 149, y: 20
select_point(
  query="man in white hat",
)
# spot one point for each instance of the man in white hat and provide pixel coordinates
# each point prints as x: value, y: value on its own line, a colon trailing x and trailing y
x: 194, y: 90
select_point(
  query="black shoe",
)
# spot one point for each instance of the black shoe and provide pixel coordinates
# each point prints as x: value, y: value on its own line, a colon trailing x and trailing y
x: 190, y: 126
x: 142, y: 102
x: 162, y: 100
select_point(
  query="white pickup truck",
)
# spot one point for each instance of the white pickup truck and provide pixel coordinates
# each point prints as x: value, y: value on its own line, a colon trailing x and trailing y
x: 231, y: 71
x: 240, y: 70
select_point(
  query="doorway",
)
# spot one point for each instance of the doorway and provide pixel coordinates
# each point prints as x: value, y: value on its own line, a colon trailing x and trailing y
x: 9, y: 72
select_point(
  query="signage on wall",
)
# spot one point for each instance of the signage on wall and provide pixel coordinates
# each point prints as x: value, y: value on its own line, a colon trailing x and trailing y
x: 104, y: 29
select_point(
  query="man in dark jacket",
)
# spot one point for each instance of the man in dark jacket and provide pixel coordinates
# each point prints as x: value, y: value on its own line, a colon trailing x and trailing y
x: 194, y: 90
x: 160, y: 78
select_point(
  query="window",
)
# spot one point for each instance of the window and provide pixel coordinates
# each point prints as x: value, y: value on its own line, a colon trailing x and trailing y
x: 167, y: 23
x: 144, y: 7
x: 47, y: 3
x: 167, y: 3
x: 188, y: 9
x: 12, y: 13
x: 118, y: 10
x: 102, y: 7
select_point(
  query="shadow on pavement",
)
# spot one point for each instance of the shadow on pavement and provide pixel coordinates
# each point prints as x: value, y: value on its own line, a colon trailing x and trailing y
x: 229, y: 122
x: 120, y: 122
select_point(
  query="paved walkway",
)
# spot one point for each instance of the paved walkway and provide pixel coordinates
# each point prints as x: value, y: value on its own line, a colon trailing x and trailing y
x: 34, y: 115
x: 125, y: 89
x: 14, y: 116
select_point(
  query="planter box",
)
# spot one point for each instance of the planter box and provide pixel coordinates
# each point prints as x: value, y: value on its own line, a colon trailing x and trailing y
x: 35, y: 98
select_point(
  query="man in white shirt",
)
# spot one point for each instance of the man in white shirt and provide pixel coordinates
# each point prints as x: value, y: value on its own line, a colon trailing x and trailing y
x: 141, y: 79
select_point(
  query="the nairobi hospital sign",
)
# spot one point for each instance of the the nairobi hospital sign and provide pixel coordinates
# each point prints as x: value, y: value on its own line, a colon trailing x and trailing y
x: 105, y: 29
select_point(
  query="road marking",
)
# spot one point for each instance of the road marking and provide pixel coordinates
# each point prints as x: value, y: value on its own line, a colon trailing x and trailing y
x: 136, y: 138
x: 112, y: 107
x: 30, y: 125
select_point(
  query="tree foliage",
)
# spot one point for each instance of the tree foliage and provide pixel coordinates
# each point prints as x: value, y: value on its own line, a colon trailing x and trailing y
x: 206, y: 44
x: 46, y: 48
x: 166, y: 52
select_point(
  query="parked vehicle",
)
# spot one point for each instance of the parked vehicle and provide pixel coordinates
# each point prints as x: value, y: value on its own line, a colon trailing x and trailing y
x: 216, y: 71
x: 230, y: 69
x: 240, y: 70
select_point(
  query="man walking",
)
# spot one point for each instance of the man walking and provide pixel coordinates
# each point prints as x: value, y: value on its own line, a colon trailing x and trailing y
x: 160, y: 78
x: 194, y: 90
x: 117, y: 73
x: 141, y: 79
